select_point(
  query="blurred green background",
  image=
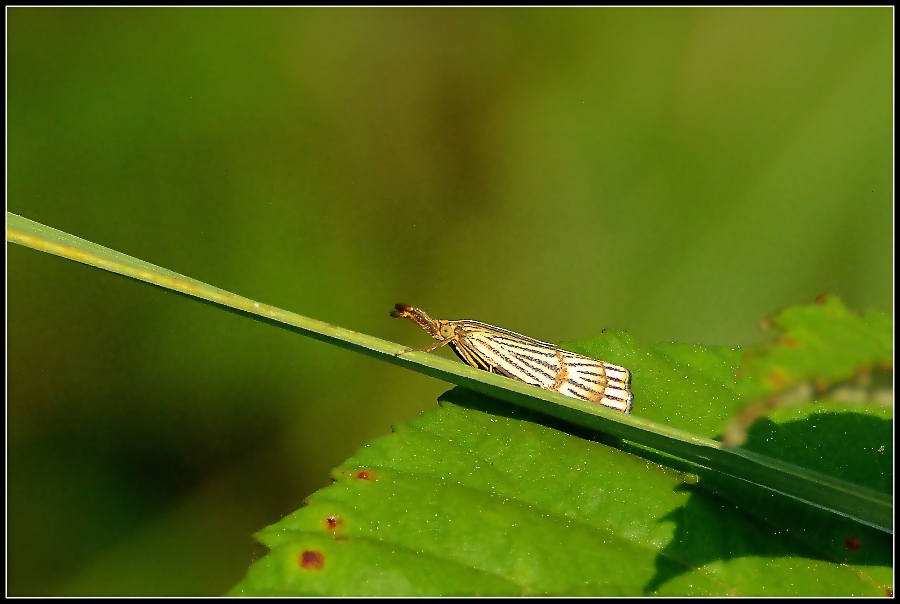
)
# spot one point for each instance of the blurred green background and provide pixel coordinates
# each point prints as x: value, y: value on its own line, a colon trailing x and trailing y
x: 675, y: 173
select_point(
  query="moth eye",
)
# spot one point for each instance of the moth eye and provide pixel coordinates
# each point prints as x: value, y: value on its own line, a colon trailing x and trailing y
x: 446, y: 330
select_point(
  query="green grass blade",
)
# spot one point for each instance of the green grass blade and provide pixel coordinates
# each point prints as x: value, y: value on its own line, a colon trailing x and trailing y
x: 839, y: 497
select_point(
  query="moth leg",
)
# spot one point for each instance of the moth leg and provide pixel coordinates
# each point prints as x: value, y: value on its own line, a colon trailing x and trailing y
x: 434, y: 346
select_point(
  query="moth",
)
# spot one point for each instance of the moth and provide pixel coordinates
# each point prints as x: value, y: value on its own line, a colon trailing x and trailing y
x: 504, y: 352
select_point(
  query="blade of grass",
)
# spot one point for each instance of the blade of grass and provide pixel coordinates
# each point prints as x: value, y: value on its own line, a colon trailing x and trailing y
x: 853, y: 501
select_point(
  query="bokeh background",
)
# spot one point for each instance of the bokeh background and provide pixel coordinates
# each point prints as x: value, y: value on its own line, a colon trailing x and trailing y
x: 675, y: 173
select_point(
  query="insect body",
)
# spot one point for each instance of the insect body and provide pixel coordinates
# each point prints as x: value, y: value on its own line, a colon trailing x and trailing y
x: 528, y: 360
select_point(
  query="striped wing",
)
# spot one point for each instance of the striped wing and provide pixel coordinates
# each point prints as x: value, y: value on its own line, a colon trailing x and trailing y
x: 542, y: 364
x: 597, y: 381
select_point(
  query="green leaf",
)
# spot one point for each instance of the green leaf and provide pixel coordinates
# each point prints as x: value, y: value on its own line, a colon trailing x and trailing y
x: 845, y: 441
x: 479, y: 498
x: 823, y: 343
x: 822, y: 351
x: 530, y: 505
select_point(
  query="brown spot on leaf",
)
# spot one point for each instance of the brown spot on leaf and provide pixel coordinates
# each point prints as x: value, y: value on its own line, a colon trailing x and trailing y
x: 851, y: 544
x: 312, y: 560
x: 820, y: 299
x: 366, y: 475
x: 334, y: 522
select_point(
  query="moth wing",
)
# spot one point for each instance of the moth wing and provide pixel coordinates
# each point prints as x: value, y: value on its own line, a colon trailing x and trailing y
x: 597, y: 381
x: 542, y: 364
x: 513, y: 357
